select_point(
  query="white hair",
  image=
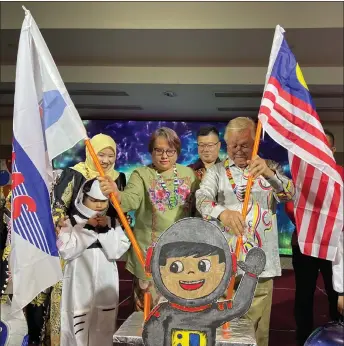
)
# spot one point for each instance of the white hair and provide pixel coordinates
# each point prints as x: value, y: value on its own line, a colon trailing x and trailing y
x: 240, y: 124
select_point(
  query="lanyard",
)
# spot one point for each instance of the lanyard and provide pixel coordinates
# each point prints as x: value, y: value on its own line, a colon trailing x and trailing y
x: 238, y: 190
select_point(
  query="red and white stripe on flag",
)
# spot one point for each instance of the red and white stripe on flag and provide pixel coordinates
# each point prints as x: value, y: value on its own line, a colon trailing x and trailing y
x: 318, y: 203
x: 288, y: 115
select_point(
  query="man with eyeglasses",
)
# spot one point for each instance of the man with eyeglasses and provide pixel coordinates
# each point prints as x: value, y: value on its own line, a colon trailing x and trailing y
x: 220, y: 199
x: 209, y: 145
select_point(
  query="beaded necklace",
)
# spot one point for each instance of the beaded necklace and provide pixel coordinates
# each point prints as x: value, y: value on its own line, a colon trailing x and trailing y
x: 172, y: 198
x: 239, y: 191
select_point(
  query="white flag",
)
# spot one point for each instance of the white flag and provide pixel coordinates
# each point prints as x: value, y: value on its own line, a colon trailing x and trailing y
x: 45, y: 124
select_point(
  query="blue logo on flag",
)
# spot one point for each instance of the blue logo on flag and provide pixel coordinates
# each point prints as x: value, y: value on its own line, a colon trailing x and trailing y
x: 31, y: 210
x: 52, y: 107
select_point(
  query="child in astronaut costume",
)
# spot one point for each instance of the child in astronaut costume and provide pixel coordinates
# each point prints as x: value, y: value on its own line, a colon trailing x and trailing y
x: 90, y: 245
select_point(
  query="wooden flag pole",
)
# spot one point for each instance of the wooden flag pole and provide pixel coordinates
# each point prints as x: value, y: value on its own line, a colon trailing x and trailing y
x: 244, y: 213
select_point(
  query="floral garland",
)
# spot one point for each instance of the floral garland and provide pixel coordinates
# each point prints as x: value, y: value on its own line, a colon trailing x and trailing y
x: 172, y: 197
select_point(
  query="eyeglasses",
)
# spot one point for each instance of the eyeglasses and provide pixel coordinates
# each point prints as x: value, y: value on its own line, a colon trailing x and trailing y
x: 160, y: 152
x: 209, y: 146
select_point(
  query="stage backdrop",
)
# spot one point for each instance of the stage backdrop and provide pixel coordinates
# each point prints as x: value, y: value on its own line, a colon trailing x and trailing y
x: 132, y: 151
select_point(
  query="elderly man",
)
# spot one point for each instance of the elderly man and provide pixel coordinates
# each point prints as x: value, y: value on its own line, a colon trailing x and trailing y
x: 209, y: 145
x: 221, y: 197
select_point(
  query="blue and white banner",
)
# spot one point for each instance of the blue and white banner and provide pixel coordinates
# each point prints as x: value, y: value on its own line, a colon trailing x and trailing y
x: 45, y: 124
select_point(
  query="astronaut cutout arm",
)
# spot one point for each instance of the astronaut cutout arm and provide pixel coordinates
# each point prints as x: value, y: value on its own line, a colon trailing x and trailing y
x: 153, y: 333
x: 228, y: 310
x: 73, y: 241
x: 253, y: 266
x: 114, y: 242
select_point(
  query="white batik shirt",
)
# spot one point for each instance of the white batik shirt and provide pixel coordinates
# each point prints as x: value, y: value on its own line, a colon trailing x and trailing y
x: 216, y: 194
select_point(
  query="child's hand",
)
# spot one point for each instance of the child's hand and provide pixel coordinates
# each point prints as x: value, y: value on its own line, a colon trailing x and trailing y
x: 93, y: 222
x: 102, y: 221
x: 62, y: 223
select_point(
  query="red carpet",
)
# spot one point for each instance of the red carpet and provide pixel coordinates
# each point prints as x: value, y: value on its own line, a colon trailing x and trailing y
x: 282, y: 325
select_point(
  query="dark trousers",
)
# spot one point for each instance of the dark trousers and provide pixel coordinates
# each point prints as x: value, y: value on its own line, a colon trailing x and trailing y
x: 306, y: 270
x: 35, y: 320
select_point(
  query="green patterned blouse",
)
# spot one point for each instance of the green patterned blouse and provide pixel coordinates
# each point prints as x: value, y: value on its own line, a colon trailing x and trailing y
x: 158, y: 203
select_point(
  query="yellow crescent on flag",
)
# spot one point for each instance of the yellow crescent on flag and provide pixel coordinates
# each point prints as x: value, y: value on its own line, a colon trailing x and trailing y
x: 300, y: 77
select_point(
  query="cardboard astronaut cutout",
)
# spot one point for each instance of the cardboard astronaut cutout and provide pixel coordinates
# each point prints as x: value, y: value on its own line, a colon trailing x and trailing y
x: 191, y: 266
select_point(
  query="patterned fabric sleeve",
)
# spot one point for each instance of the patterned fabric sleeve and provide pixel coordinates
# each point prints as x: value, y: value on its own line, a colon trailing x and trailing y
x: 65, y: 192
x: 6, y: 223
x: 5, y: 274
x: 207, y: 193
x: 3, y: 226
x: 283, y: 186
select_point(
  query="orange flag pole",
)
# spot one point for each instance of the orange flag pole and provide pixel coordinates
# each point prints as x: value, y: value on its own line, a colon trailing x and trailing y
x: 146, y: 306
x: 244, y: 213
x: 117, y: 206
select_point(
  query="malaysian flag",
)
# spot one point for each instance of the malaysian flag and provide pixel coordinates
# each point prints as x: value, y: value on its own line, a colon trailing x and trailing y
x: 45, y: 123
x: 288, y: 115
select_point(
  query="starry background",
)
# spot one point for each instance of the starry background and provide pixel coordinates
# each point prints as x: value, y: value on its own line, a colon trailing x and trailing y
x: 132, y: 139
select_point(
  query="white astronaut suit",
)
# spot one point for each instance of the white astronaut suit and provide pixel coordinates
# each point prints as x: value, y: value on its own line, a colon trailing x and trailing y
x: 90, y: 283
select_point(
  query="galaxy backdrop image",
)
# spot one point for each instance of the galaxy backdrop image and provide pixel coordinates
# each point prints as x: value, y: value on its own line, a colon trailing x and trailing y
x: 132, y: 139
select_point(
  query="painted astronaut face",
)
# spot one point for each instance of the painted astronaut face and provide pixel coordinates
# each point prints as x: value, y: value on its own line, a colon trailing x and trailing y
x: 192, y: 277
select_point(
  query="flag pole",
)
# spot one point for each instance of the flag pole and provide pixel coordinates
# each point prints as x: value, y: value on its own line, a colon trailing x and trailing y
x: 117, y: 206
x: 146, y: 305
x: 244, y: 213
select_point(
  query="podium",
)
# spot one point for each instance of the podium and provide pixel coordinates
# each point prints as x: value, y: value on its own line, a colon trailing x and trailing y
x: 241, y: 333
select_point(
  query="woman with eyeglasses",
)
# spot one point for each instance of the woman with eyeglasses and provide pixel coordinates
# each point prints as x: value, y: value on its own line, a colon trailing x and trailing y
x: 161, y: 194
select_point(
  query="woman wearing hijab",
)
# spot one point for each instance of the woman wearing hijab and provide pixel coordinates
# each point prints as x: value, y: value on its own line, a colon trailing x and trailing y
x: 65, y: 193
x: 71, y: 179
